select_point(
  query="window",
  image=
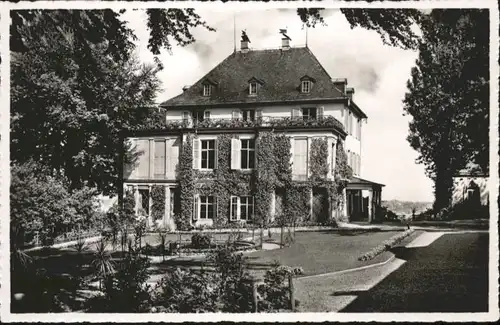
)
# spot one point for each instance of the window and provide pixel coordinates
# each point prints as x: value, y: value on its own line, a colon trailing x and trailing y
x: 207, y: 207
x: 299, y: 165
x: 206, y: 115
x: 144, y: 200
x: 253, y: 88
x: 306, y: 86
x: 242, y: 208
x: 185, y: 116
x: 207, y: 154
x: 248, y: 154
x: 248, y: 115
x: 198, y: 116
x: 207, y: 90
x: 309, y: 113
x: 246, y: 207
x: 159, y: 162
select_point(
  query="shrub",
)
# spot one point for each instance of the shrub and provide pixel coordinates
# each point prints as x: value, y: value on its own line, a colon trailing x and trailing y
x: 275, y: 291
x: 201, y: 240
x: 126, y: 290
x: 186, y: 291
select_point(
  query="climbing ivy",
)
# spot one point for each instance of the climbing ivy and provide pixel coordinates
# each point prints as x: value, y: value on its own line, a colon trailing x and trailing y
x: 273, y: 170
x: 158, y: 198
x: 186, y: 184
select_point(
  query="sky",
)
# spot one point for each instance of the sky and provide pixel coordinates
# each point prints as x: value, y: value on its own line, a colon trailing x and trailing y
x: 377, y: 72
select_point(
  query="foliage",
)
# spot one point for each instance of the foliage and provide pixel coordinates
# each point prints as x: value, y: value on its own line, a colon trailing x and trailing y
x: 84, y: 87
x: 318, y: 163
x: 406, y: 207
x: 187, y: 291
x: 43, y: 204
x: 386, y: 245
x: 199, y: 240
x: 393, y: 25
x: 448, y: 96
x: 127, y: 290
x: 101, y: 263
x: 275, y: 291
x: 266, y: 176
x: 158, y: 198
x: 186, y: 185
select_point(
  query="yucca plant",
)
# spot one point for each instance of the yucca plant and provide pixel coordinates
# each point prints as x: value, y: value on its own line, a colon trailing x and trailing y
x: 102, y: 263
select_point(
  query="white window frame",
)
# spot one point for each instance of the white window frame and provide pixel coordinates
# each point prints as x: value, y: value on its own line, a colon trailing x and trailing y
x: 252, y: 85
x: 236, y: 207
x: 207, y: 90
x: 248, y: 154
x: 203, y: 200
x: 208, y: 154
x: 162, y: 142
x: 306, y: 89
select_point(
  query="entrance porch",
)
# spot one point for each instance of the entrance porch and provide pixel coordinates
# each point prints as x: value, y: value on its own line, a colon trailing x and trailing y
x: 362, y: 199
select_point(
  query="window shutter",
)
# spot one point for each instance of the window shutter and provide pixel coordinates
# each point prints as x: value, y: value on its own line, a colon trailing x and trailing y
x: 235, y: 153
x: 295, y: 112
x: 196, y: 209
x: 216, y: 148
x: 321, y: 111
x: 258, y: 115
x: 236, y: 115
x: 196, y: 153
x: 291, y: 151
x: 232, y: 213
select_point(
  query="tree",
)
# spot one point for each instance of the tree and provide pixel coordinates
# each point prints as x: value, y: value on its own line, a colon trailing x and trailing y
x: 76, y: 86
x: 41, y: 203
x: 393, y: 25
x: 448, y: 96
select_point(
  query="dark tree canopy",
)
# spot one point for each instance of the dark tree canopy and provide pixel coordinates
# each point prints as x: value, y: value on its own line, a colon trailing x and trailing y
x: 76, y: 85
x: 448, y: 96
x: 393, y: 25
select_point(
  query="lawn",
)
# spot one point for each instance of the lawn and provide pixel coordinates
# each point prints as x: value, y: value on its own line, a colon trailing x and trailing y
x: 322, y: 252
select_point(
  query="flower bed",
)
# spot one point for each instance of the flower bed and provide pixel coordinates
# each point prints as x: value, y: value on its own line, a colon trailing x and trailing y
x: 155, y: 251
x: 386, y: 245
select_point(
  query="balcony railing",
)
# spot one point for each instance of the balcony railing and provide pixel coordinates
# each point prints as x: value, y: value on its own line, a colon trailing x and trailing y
x: 264, y: 121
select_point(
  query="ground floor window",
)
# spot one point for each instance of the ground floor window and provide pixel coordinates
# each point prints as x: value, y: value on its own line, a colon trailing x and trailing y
x: 207, y: 207
x: 144, y: 200
x: 242, y: 208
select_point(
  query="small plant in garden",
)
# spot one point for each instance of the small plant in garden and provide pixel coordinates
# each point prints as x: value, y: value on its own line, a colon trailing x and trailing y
x: 102, y: 264
x: 275, y: 292
x: 200, y: 240
x: 187, y: 291
x: 126, y: 290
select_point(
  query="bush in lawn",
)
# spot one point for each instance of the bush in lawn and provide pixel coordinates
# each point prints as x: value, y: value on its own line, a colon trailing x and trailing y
x: 200, y: 240
x: 275, y: 293
x: 235, y: 289
x: 126, y: 291
x: 187, y: 291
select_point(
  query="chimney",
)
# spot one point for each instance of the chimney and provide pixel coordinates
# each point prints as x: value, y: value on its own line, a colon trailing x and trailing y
x: 349, y: 92
x: 186, y: 87
x: 341, y: 84
x: 285, y: 43
x: 244, y: 46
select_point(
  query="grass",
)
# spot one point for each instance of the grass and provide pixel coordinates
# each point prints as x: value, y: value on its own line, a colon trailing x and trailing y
x: 323, y: 252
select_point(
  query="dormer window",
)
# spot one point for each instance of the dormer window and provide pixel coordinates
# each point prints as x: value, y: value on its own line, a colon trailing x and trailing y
x: 306, y: 86
x: 207, y: 90
x: 253, y: 88
x: 253, y: 85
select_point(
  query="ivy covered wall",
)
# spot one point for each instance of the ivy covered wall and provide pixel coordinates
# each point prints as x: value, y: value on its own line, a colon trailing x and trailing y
x: 272, y: 171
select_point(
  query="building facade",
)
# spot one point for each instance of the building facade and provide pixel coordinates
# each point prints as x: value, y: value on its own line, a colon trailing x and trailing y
x: 235, y: 142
